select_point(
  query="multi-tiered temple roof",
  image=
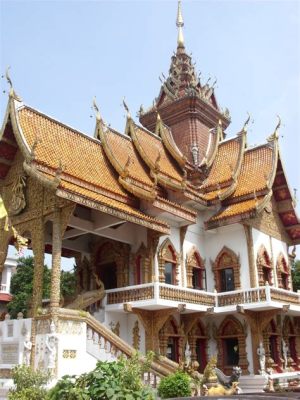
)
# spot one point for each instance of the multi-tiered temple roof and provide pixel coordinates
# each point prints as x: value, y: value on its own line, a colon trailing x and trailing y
x: 177, y: 160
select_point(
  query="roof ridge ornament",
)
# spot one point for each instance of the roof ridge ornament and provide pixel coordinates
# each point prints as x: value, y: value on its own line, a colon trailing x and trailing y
x: 275, y: 135
x: 126, y: 108
x: 12, y: 92
x: 158, y: 125
x: 246, y: 123
x: 96, y: 109
x: 180, y: 24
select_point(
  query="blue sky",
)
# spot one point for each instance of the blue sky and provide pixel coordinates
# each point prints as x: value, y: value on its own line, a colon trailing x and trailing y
x: 62, y: 53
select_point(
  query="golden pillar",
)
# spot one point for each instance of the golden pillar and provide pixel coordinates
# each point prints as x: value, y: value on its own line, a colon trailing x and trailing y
x: 56, y: 261
x: 38, y: 248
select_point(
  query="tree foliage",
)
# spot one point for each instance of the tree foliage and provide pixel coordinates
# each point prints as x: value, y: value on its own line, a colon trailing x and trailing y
x: 29, y: 384
x: 175, y: 385
x: 296, y: 275
x: 108, y: 381
x: 22, y: 285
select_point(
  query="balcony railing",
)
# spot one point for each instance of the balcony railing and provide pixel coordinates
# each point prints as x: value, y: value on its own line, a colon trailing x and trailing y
x: 257, y: 295
x: 160, y: 291
x: 3, y: 288
x: 254, y: 295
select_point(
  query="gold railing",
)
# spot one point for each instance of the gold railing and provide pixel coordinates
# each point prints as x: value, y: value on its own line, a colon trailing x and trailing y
x: 131, y: 294
x: 241, y: 297
x: 186, y: 296
x: 158, y: 291
x: 161, y: 291
x: 284, y: 296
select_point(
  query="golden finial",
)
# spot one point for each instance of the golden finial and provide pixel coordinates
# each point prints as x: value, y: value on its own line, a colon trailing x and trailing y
x: 126, y: 108
x: 12, y: 92
x: 96, y: 108
x: 179, y: 24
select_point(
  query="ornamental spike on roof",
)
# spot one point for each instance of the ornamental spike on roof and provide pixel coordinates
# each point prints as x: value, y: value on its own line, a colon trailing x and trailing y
x: 180, y: 24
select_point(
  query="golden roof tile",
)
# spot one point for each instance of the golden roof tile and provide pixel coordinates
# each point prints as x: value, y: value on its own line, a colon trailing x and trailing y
x: 125, y: 158
x: 257, y: 169
x: 82, y: 157
x: 169, y: 142
x: 154, y: 153
x: 238, y: 209
x: 225, y: 163
x: 92, y: 198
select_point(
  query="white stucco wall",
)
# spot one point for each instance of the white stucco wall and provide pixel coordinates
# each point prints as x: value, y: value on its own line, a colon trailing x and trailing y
x: 234, y: 238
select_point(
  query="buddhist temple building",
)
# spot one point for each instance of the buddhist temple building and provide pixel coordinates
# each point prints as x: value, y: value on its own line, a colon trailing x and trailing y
x: 181, y: 234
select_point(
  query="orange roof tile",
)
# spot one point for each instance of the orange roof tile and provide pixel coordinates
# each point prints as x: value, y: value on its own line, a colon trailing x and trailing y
x: 237, y: 209
x: 122, y: 148
x: 225, y: 163
x: 214, y: 194
x: 153, y: 151
x: 257, y: 168
x: 81, y: 156
x: 171, y: 145
x: 97, y: 197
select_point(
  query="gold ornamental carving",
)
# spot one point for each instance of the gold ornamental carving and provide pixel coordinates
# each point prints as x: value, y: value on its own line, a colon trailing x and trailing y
x: 227, y: 259
x: 18, y: 202
x: 268, y: 222
x: 193, y: 260
x: 136, y: 337
x: 232, y: 327
x: 167, y: 253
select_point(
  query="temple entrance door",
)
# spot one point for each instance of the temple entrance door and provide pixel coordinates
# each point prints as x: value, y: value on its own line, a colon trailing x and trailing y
x: 231, y: 351
x: 273, y: 348
x: 108, y: 275
x: 172, y: 349
x: 201, y: 353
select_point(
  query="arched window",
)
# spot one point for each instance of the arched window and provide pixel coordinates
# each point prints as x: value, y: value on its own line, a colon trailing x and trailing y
x: 198, y: 341
x: 170, y: 340
x: 226, y: 270
x: 283, y: 273
x: 141, y: 266
x: 168, y: 263
x: 195, y: 268
x: 231, y: 342
x: 264, y: 267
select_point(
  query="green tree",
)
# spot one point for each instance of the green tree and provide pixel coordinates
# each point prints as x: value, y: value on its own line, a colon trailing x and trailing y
x: 22, y: 285
x: 296, y: 275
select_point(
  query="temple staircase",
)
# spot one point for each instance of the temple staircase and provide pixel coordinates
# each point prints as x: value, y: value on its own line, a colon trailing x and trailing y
x: 103, y: 344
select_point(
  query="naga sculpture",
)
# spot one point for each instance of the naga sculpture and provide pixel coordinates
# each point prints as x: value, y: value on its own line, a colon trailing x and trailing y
x: 87, y: 298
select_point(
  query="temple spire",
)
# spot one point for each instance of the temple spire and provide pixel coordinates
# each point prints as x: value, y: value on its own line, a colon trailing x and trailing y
x: 179, y: 24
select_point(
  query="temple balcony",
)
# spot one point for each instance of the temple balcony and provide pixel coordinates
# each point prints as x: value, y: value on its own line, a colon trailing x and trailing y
x: 153, y: 296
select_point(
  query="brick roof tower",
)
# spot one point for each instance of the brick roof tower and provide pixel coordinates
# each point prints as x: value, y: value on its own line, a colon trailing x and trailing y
x: 189, y: 108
